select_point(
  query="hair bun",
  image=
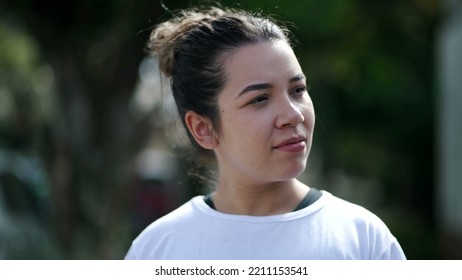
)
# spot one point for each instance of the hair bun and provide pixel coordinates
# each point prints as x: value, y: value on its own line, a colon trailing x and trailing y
x: 165, y: 37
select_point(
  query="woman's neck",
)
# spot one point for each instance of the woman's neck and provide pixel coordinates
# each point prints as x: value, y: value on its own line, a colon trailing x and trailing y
x: 259, y: 200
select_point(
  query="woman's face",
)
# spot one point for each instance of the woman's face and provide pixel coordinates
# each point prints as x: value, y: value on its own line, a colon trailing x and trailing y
x: 266, y: 114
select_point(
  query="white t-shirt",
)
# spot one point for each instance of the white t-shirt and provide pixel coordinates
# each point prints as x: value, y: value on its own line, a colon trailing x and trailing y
x: 328, y: 229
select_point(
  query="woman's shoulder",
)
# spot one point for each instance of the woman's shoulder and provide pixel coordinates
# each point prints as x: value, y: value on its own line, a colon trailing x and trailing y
x: 345, y: 212
x: 345, y: 207
x: 183, y: 214
x: 364, y: 225
x: 178, y: 220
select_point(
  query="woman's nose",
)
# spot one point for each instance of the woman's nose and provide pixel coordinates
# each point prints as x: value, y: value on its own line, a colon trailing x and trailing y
x: 289, y: 114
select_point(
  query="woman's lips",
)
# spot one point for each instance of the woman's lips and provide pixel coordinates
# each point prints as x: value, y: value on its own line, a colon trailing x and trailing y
x: 293, y: 145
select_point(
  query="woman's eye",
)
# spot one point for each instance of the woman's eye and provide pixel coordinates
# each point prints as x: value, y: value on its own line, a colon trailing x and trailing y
x: 259, y: 99
x: 299, y: 91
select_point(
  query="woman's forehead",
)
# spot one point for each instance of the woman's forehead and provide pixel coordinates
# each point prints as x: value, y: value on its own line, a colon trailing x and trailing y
x: 261, y: 62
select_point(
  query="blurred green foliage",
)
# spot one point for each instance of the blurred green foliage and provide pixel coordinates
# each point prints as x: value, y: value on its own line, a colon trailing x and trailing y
x: 68, y: 72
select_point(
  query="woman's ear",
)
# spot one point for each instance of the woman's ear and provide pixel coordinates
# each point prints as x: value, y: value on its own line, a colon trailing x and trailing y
x: 201, y: 129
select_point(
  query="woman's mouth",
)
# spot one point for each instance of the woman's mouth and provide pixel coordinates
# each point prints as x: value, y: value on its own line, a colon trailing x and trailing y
x: 292, y: 145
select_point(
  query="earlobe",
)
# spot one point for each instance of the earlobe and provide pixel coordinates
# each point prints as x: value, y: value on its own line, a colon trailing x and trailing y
x: 201, y: 129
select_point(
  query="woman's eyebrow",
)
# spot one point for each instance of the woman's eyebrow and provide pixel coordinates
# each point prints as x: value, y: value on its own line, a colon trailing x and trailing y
x: 255, y: 87
x: 297, y: 78
x: 268, y: 85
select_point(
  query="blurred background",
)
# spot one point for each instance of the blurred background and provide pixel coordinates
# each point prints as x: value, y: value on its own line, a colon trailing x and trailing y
x: 91, y: 152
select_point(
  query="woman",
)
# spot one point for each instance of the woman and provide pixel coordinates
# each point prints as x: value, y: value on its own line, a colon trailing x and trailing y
x: 242, y: 95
